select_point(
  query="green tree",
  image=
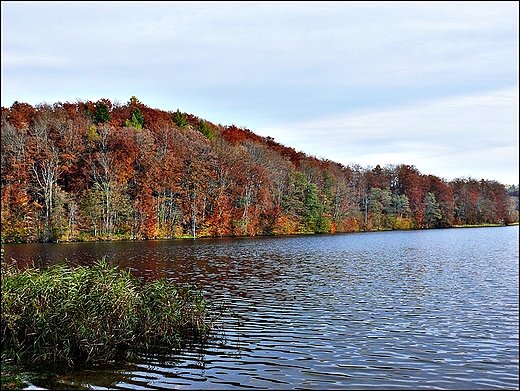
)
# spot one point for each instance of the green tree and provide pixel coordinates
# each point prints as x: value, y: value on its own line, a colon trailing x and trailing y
x: 137, y: 120
x: 432, y: 213
x: 180, y: 120
x: 203, y: 127
x: 102, y: 115
x: 314, y: 220
x: 401, y: 205
x: 303, y: 203
x: 380, y: 201
x: 293, y: 200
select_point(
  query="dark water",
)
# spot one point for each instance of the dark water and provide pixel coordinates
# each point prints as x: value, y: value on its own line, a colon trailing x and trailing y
x: 412, y: 309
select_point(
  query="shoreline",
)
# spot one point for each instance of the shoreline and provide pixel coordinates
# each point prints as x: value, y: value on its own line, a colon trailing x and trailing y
x: 184, y: 237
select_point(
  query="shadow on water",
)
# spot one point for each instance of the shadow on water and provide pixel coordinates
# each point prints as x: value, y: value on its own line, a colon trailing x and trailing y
x: 140, y: 374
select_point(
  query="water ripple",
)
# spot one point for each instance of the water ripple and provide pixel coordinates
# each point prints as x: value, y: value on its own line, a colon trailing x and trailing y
x: 390, y: 310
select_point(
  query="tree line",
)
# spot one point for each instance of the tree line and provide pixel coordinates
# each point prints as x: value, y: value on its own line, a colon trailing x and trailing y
x: 105, y: 170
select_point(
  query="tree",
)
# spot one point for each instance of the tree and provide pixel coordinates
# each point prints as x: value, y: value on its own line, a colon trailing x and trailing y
x: 137, y: 120
x: 380, y: 203
x: 360, y: 186
x: 203, y: 127
x: 133, y: 101
x: 432, y: 213
x: 45, y: 164
x: 415, y: 186
x: 21, y: 115
x: 401, y: 205
x: 512, y: 204
x: 314, y: 219
x: 465, y: 193
x: 17, y: 217
x: 179, y: 119
x: 304, y: 205
x: 102, y: 113
x: 103, y: 169
x: 198, y: 158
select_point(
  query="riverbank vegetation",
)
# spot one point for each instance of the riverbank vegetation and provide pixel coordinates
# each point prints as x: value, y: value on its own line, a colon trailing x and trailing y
x: 96, y: 314
x: 103, y: 170
x: 10, y: 379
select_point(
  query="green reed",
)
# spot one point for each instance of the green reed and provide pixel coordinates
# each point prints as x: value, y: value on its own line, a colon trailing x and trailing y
x: 94, y: 314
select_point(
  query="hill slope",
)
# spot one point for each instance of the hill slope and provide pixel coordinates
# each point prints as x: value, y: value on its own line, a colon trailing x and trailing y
x: 105, y: 170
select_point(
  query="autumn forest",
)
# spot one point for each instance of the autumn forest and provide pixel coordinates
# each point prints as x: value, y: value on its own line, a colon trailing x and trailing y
x: 104, y: 170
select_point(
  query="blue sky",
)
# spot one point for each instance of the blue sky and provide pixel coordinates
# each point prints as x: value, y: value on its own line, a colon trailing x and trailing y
x: 430, y: 84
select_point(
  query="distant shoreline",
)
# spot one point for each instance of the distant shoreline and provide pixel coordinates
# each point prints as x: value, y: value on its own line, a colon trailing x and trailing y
x: 116, y: 238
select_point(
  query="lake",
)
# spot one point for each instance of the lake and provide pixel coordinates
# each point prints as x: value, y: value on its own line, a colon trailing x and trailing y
x: 379, y: 310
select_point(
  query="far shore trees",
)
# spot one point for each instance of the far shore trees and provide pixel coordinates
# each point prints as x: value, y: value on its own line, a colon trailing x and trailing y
x: 104, y: 170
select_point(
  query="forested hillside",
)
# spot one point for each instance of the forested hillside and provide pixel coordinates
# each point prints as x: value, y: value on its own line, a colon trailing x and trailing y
x: 105, y: 170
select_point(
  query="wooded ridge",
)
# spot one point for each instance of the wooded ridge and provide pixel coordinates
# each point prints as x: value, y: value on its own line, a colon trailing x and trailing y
x: 106, y: 171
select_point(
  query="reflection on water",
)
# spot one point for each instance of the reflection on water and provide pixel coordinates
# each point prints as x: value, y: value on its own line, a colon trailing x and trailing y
x: 418, y: 309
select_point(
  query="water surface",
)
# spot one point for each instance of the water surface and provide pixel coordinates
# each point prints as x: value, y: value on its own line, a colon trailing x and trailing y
x: 402, y: 309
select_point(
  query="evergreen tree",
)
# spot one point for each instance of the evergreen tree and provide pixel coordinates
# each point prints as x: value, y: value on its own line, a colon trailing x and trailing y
x: 102, y: 115
x: 137, y: 120
x: 179, y: 119
x: 401, y: 205
x: 203, y: 127
x: 432, y: 213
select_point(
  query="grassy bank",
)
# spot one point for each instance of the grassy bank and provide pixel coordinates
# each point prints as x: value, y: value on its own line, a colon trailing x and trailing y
x: 95, y: 314
x: 480, y: 225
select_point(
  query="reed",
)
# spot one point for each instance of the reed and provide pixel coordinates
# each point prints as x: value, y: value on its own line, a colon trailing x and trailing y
x: 94, y: 314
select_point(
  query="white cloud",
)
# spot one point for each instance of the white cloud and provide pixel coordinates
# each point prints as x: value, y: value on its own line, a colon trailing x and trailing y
x: 24, y: 60
x: 472, y: 135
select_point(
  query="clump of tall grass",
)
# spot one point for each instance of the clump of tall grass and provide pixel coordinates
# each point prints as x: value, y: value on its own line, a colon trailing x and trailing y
x: 98, y: 313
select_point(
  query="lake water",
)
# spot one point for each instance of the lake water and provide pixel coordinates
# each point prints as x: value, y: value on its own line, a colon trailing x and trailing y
x: 382, y: 310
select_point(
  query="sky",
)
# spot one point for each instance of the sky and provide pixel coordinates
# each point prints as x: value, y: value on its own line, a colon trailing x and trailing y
x: 428, y: 84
